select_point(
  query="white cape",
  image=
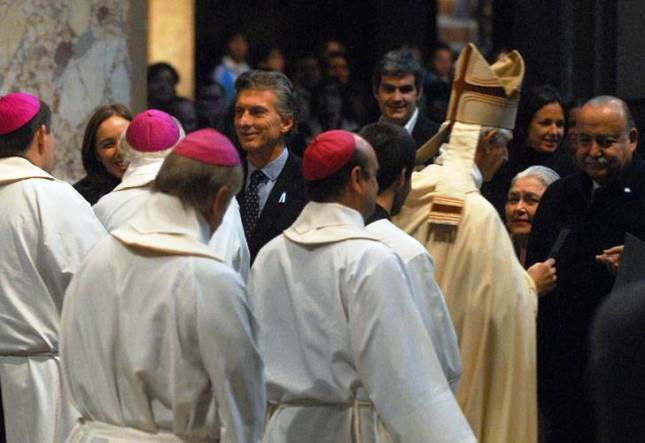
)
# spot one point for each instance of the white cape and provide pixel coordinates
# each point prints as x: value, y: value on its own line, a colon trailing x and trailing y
x: 427, y: 295
x: 347, y: 355
x: 46, y: 230
x: 116, y: 207
x: 157, y: 338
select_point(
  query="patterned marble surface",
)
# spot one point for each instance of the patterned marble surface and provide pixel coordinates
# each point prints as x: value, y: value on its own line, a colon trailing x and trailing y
x: 73, y: 54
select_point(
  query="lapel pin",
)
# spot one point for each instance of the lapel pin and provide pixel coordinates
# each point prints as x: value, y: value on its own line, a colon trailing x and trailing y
x: 627, y: 190
x: 283, y: 198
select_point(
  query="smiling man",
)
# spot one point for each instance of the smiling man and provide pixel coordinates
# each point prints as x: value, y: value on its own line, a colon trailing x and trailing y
x: 274, y: 191
x: 591, y: 210
x: 398, y: 84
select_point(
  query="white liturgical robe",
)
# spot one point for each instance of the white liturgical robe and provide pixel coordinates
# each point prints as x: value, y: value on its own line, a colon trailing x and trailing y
x: 46, y: 230
x: 348, y: 358
x: 493, y: 305
x: 157, y: 338
x: 116, y: 207
x: 427, y: 295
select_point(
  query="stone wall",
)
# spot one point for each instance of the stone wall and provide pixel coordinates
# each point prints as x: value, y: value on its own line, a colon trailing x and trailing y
x: 74, y: 55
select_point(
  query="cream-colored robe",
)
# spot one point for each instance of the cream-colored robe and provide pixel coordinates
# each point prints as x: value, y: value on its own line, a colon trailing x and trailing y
x: 116, y: 207
x: 46, y: 230
x: 493, y: 304
x: 337, y: 322
x: 156, y: 338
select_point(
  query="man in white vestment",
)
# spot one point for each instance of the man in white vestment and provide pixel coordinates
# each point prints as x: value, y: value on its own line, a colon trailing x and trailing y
x: 148, y: 139
x: 395, y: 151
x: 46, y: 230
x: 491, y: 298
x: 348, y: 358
x: 157, y: 340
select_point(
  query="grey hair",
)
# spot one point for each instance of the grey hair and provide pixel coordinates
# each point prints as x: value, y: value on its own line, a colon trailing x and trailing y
x: 273, y: 81
x: 544, y: 175
x: 195, y: 183
x: 397, y: 64
x: 502, y: 137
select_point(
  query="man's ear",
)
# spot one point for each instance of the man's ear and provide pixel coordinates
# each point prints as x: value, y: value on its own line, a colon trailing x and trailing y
x: 490, y: 137
x: 633, y: 139
x: 355, y: 179
x: 41, y: 132
x: 219, y: 206
x: 400, y: 181
x: 286, y: 124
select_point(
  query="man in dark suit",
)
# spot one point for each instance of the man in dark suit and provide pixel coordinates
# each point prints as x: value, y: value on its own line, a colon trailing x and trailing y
x: 581, y: 221
x: 274, y: 190
x: 398, y: 85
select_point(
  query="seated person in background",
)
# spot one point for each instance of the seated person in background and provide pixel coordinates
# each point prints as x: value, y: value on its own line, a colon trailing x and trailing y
x: 210, y: 104
x: 184, y: 110
x: 156, y: 336
x: 337, y: 66
x: 101, y: 152
x: 270, y: 58
x: 233, y: 64
x: 331, y: 111
x: 438, y: 82
x: 162, y: 81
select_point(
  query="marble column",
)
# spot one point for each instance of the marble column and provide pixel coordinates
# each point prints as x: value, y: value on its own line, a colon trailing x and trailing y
x: 75, y: 55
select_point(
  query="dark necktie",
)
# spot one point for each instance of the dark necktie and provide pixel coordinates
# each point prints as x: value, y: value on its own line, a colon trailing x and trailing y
x: 251, y: 206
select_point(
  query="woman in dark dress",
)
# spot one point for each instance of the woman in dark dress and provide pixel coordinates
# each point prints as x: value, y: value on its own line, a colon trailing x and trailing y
x: 537, y: 140
x: 101, y: 153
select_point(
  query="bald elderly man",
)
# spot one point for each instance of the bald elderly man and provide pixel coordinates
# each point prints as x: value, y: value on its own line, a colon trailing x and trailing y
x: 582, y: 221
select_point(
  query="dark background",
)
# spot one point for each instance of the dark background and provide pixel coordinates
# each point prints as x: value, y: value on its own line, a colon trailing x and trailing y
x: 583, y: 47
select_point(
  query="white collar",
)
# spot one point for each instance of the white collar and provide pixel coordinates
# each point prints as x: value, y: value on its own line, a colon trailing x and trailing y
x: 320, y: 223
x: 165, y: 226
x: 477, y: 176
x: 140, y: 173
x: 409, y: 126
x: 13, y: 169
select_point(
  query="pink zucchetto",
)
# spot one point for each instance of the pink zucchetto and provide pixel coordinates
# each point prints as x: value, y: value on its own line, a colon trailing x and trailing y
x: 16, y: 110
x: 152, y: 131
x: 208, y: 146
x: 327, y: 154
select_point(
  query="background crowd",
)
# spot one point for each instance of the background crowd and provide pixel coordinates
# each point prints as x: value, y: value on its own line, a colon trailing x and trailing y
x: 565, y: 179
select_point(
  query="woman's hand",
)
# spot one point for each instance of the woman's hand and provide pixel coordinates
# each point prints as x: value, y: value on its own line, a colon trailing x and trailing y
x: 544, y: 276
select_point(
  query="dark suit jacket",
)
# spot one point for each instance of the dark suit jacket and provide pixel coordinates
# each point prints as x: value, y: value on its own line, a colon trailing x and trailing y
x: 276, y: 216
x: 566, y: 313
x: 423, y: 130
